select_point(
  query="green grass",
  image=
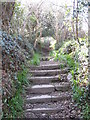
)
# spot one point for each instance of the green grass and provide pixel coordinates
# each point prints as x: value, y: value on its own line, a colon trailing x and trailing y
x: 16, y: 105
x: 35, y: 60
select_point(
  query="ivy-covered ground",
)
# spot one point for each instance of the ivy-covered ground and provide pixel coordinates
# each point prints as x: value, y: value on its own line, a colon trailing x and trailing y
x: 15, y: 54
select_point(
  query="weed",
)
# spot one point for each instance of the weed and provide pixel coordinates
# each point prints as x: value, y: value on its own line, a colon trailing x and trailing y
x: 15, y: 105
x: 59, y: 77
x: 35, y: 60
x: 86, y: 111
x: 22, y: 78
x: 62, y: 66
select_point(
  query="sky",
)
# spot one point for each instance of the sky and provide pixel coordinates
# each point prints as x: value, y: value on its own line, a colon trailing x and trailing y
x: 48, y: 4
x: 57, y: 2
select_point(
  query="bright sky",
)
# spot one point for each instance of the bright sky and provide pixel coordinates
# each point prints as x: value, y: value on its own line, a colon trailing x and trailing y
x: 57, y: 2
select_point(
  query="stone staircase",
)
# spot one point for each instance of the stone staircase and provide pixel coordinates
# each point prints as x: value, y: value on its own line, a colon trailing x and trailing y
x: 49, y: 95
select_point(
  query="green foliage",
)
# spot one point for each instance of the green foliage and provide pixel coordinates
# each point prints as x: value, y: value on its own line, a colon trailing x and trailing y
x: 67, y: 59
x: 71, y: 53
x: 62, y: 66
x: 33, y: 18
x: 80, y: 96
x: 35, y: 60
x: 69, y: 47
x: 15, y: 104
x: 22, y: 78
x: 86, y: 111
x: 48, y: 32
x: 17, y: 19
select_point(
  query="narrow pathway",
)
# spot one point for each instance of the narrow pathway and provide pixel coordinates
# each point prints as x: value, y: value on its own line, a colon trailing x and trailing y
x: 49, y: 95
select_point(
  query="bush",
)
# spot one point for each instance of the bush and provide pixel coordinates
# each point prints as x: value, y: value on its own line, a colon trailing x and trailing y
x: 70, y: 52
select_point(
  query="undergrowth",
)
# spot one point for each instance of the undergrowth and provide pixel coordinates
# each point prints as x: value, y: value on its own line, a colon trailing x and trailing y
x: 15, y: 104
x: 74, y: 56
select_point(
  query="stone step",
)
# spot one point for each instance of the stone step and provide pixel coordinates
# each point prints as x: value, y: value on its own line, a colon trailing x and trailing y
x: 48, y: 104
x: 47, y: 79
x: 38, y: 89
x: 45, y: 110
x: 46, y: 67
x: 50, y: 62
x: 48, y: 72
x: 48, y: 88
x: 48, y: 98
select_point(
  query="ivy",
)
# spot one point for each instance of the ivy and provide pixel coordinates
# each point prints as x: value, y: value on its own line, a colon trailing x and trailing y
x: 14, y: 74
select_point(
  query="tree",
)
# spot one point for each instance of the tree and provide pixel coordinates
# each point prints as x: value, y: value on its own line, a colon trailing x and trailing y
x: 7, y: 13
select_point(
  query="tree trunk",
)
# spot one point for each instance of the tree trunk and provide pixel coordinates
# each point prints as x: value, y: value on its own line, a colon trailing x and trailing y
x: 73, y: 21
x: 77, y: 22
x: 57, y: 36
x: 89, y: 21
x: 7, y: 12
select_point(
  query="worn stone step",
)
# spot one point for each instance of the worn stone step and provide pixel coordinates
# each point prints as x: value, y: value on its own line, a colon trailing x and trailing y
x: 45, y: 110
x: 48, y: 88
x: 48, y: 72
x: 46, y: 67
x: 50, y: 62
x: 48, y: 104
x: 62, y: 86
x: 45, y: 88
x: 48, y: 98
x: 38, y: 89
x: 47, y: 79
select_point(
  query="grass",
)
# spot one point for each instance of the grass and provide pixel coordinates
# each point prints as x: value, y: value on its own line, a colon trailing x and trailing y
x: 35, y: 60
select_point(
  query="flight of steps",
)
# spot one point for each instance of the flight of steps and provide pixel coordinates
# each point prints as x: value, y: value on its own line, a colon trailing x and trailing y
x: 49, y: 94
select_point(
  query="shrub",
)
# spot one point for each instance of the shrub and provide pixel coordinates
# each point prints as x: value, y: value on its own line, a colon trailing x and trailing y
x: 70, y: 52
